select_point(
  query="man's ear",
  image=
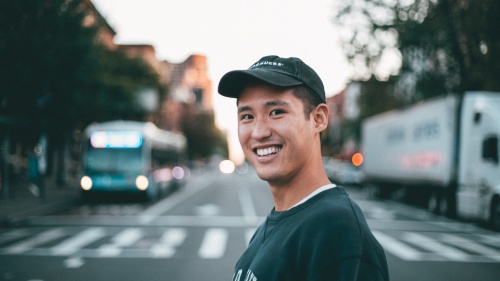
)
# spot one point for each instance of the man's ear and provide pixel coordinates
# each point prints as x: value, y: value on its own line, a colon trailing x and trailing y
x: 320, y: 117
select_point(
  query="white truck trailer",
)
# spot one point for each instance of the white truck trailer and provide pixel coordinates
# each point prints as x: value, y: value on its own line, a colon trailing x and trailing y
x: 444, y: 151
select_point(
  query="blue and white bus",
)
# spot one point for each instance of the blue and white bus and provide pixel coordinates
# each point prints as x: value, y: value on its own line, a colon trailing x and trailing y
x: 131, y: 157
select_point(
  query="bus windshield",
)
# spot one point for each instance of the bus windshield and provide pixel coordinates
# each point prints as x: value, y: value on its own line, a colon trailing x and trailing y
x: 114, y: 160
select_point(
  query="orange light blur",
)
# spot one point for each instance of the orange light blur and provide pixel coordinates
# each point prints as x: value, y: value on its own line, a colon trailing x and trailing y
x: 357, y: 159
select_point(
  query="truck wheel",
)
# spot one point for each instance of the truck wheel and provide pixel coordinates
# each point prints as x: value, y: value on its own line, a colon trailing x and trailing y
x: 437, y: 203
x: 432, y: 204
x: 443, y: 205
x: 495, y: 214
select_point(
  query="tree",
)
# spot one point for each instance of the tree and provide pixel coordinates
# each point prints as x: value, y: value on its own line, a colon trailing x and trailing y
x: 52, y: 60
x: 42, y: 43
x: 108, y: 82
x: 56, y: 75
x: 446, y: 46
x: 203, y: 137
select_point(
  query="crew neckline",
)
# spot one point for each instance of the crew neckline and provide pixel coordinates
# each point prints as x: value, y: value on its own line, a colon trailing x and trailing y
x: 312, y: 194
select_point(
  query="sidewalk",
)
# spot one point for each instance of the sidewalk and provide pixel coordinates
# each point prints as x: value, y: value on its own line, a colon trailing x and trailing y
x: 23, y: 203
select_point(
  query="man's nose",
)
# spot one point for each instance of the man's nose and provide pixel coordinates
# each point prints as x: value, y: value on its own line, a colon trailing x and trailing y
x: 261, y: 129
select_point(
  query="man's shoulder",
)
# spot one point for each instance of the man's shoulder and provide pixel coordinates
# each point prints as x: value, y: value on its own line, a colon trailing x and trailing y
x: 332, y: 201
x: 331, y: 207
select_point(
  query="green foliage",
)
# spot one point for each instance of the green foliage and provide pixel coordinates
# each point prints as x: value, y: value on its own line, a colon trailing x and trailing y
x: 41, y: 43
x: 377, y: 97
x: 108, y: 83
x: 204, y: 139
x: 56, y: 74
x: 446, y: 45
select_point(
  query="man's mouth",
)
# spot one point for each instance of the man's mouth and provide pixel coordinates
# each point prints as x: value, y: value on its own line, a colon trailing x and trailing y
x: 267, y: 151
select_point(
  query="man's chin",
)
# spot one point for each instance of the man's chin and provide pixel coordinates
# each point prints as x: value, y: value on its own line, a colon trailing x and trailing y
x: 266, y: 175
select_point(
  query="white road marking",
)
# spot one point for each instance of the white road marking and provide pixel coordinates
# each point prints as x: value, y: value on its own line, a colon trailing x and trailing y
x: 126, y: 238
x: 174, y: 236
x: 435, y: 246
x: 13, y: 234
x: 181, y: 221
x: 150, y: 214
x: 169, y: 241
x: 442, y: 247
x: 78, y: 241
x: 207, y: 210
x: 41, y: 238
x: 397, y: 248
x: 492, y: 238
x: 74, y: 262
x: 213, y: 245
x: 471, y: 246
x: 247, y: 206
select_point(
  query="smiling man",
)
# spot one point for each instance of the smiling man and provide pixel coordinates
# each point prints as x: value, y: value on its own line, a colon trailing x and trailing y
x: 315, y: 230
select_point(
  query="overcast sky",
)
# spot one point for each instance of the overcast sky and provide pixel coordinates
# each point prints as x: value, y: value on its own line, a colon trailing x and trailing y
x: 233, y: 34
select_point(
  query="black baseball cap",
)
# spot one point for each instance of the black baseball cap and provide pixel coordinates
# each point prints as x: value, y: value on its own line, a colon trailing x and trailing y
x: 281, y: 72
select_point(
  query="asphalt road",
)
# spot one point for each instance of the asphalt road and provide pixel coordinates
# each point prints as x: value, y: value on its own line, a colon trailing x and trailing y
x: 198, y: 233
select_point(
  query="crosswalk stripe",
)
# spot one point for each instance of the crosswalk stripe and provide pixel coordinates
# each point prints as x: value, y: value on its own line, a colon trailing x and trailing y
x: 471, y: 246
x: 41, y: 238
x: 170, y: 239
x: 75, y: 243
x: 397, y: 248
x: 161, y: 207
x: 213, y: 245
x: 410, y: 246
x: 12, y: 235
x: 247, y: 206
x: 435, y: 246
x: 174, y: 236
x: 126, y: 238
x: 490, y: 238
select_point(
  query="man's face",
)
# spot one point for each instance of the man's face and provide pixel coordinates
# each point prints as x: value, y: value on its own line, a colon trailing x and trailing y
x: 274, y: 133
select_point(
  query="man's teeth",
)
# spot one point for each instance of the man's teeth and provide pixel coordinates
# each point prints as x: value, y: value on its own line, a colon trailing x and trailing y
x: 268, y: 151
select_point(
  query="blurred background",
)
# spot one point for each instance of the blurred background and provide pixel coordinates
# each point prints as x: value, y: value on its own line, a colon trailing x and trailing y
x: 110, y: 97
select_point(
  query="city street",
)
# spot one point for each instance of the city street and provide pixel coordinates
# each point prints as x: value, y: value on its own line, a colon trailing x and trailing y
x: 198, y: 232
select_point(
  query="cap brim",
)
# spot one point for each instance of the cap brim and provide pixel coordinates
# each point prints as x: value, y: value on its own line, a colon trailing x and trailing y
x: 233, y: 82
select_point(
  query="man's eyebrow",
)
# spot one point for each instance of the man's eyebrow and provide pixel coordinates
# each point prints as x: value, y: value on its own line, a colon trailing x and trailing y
x: 276, y: 102
x: 244, y: 108
x: 267, y: 104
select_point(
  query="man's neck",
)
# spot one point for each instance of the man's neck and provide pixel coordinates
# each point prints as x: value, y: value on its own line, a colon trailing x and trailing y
x: 287, y: 194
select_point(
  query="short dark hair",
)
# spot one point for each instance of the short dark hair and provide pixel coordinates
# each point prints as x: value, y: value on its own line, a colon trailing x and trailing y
x: 309, y: 99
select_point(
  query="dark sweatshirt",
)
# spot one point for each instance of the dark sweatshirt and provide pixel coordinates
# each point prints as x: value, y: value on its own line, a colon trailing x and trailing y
x: 324, y: 238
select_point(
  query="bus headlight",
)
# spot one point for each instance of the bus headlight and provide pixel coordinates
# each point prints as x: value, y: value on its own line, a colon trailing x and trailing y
x: 86, y: 183
x: 142, y: 182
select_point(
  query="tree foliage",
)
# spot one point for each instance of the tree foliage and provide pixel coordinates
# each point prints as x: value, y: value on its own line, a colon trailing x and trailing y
x: 204, y: 138
x: 446, y: 46
x: 56, y: 74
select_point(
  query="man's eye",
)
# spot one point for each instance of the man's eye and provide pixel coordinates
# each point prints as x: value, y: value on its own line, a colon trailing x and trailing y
x: 276, y: 112
x: 246, y: 117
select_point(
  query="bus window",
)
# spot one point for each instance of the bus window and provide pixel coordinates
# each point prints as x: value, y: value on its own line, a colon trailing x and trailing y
x: 114, y: 160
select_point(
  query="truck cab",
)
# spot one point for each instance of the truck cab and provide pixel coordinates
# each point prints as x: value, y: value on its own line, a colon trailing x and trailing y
x: 478, y: 195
